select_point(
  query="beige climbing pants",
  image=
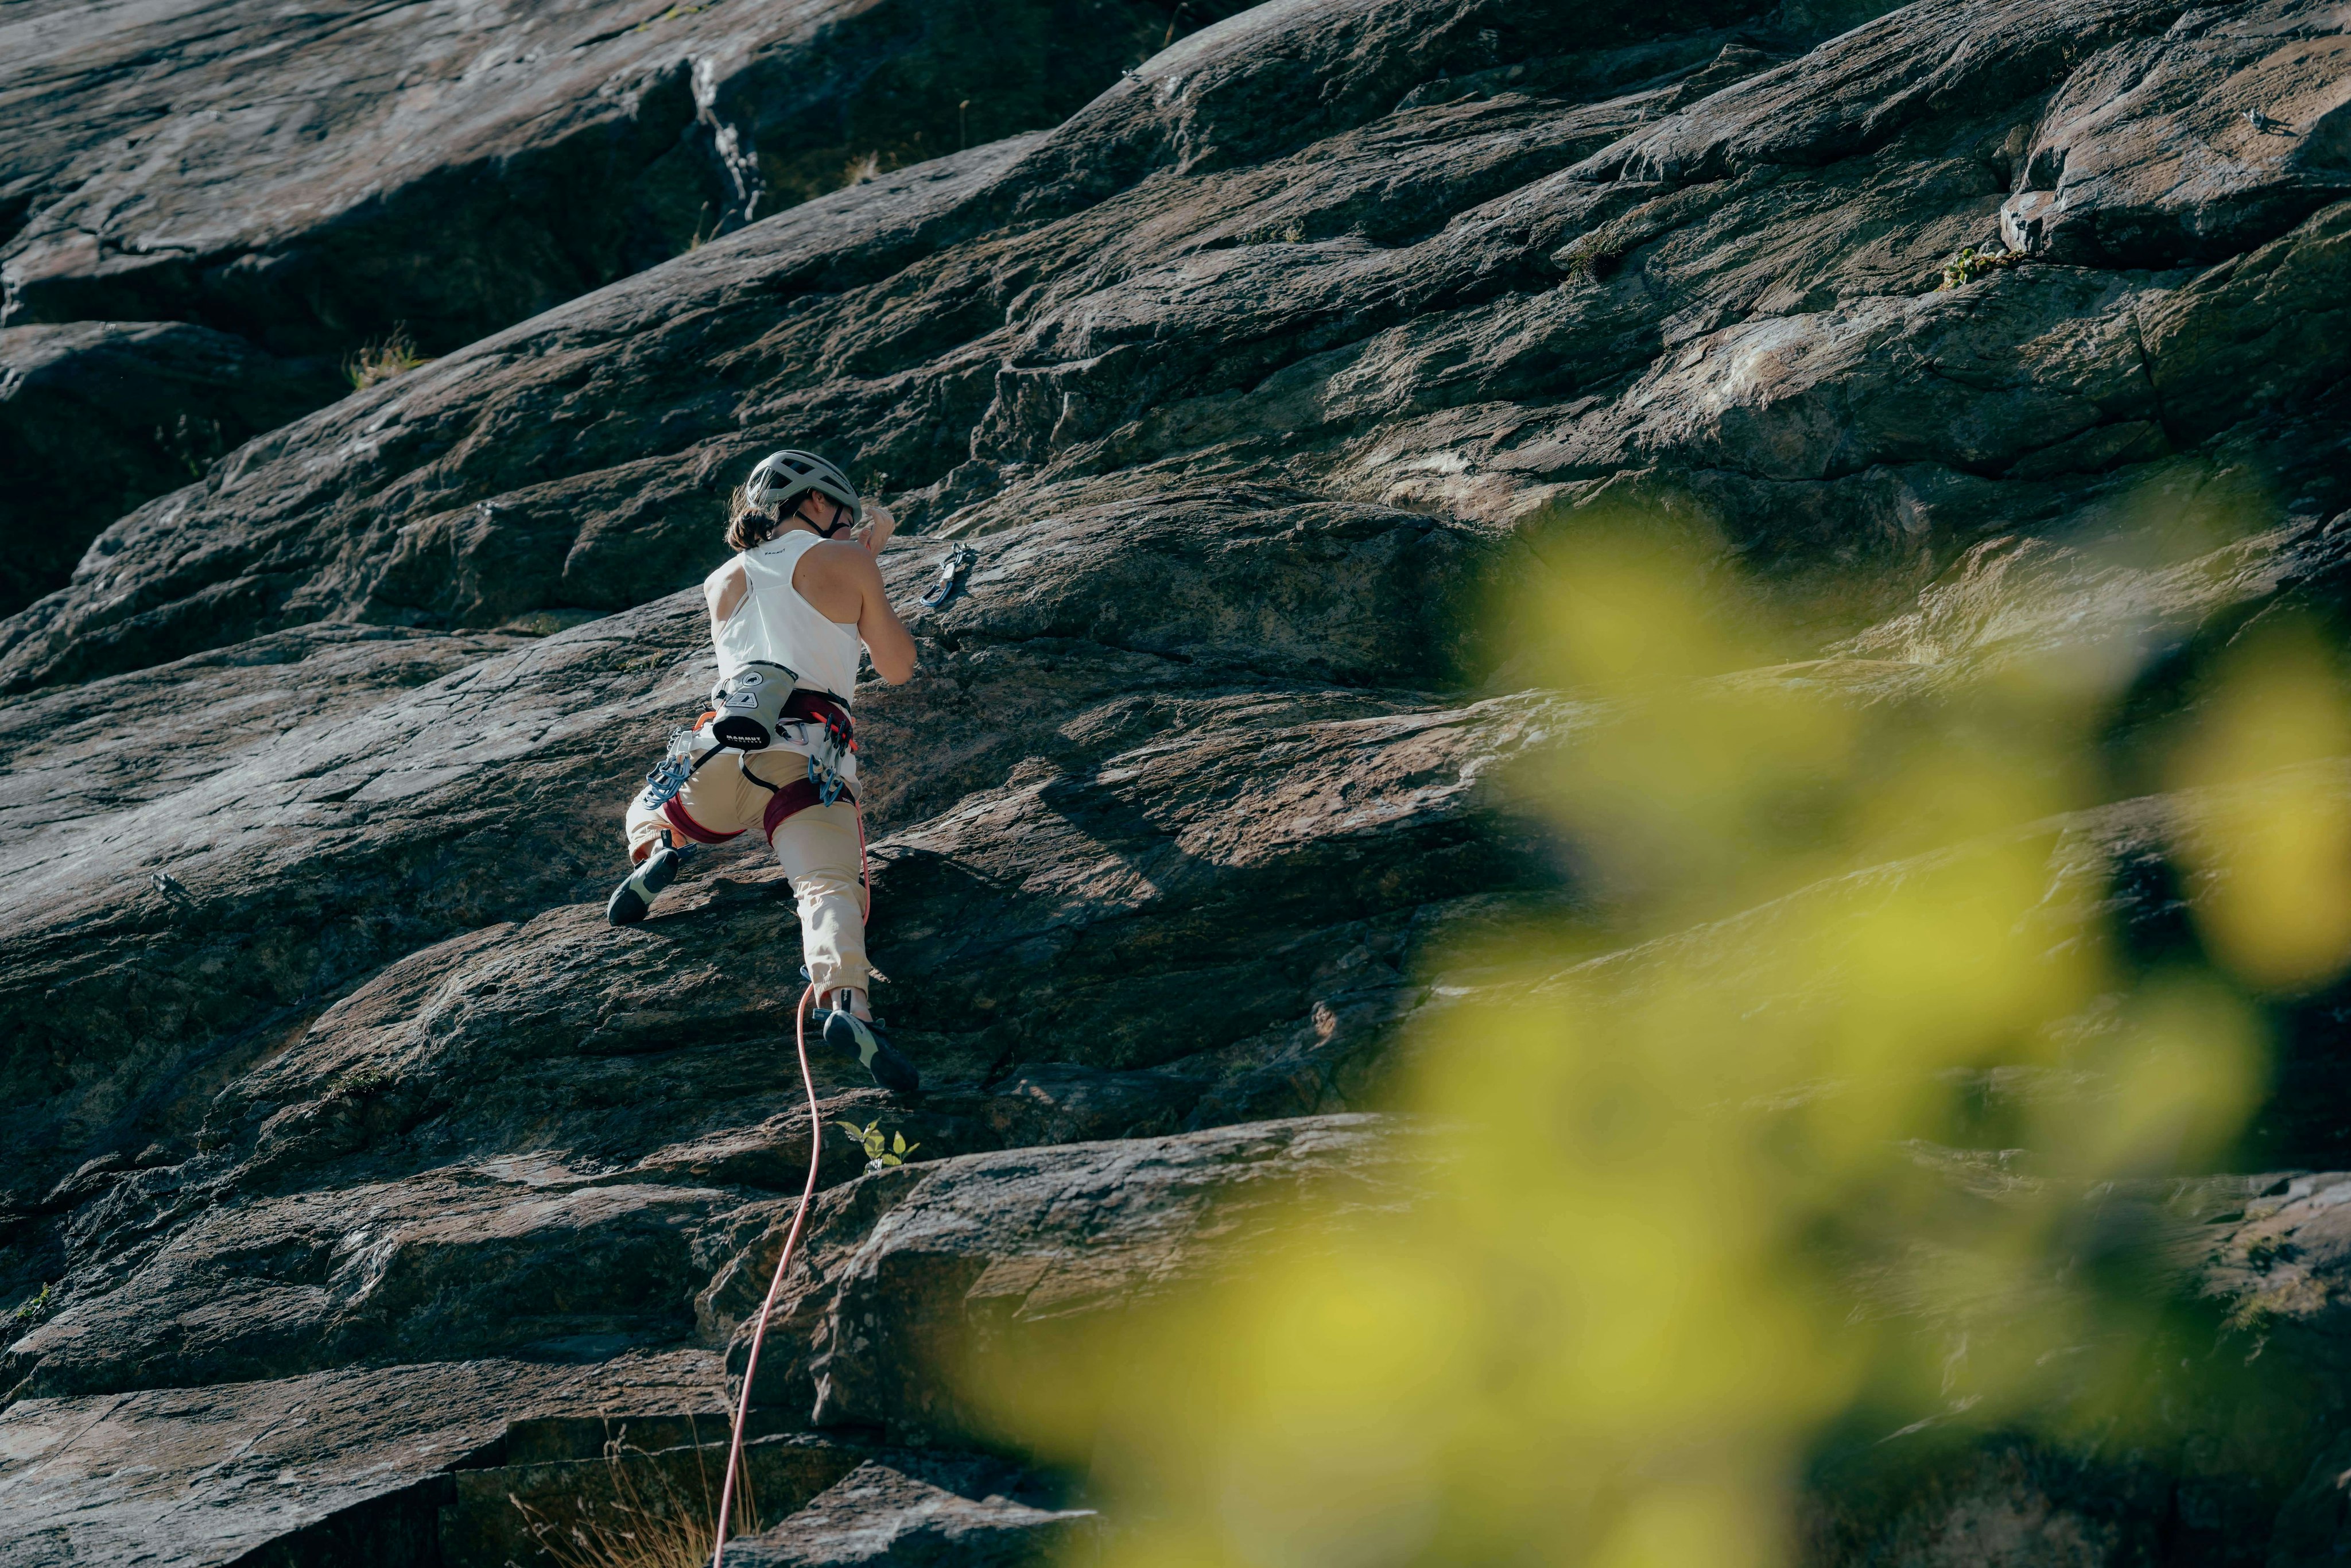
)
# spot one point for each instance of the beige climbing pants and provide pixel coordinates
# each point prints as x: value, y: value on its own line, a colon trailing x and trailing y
x: 817, y: 846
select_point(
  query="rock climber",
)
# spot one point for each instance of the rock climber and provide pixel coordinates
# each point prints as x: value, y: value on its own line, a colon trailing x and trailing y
x: 800, y: 596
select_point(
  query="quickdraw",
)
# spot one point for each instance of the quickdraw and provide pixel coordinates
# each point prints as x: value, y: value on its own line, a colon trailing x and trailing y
x: 677, y: 765
x: 952, y: 571
x: 829, y: 748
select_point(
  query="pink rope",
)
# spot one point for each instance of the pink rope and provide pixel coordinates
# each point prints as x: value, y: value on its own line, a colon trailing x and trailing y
x: 776, y: 1285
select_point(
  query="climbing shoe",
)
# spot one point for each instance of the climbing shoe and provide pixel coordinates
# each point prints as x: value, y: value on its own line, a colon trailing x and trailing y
x: 868, y: 1041
x: 634, y: 899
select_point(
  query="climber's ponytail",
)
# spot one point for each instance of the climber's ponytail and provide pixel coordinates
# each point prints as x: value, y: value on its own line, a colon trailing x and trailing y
x: 749, y: 525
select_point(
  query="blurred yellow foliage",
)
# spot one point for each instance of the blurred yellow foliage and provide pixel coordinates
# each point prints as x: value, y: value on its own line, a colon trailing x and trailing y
x: 2274, y: 845
x: 1733, y: 1163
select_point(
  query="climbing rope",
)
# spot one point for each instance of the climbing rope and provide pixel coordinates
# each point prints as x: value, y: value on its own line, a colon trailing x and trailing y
x: 792, y: 1241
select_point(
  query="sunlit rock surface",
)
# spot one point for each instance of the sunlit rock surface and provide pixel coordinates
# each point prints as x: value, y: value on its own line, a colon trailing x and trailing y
x: 324, y: 1080
x: 316, y: 183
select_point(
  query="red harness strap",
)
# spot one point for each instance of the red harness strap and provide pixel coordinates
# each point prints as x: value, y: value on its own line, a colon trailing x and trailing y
x: 789, y: 802
x: 821, y: 706
x: 674, y: 814
x: 786, y: 801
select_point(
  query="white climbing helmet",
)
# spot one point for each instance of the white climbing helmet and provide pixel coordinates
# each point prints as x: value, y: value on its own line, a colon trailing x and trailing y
x: 782, y: 478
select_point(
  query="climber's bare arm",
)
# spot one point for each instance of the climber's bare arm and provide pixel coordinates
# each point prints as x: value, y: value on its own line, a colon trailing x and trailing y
x: 886, y: 638
x: 844, y: 582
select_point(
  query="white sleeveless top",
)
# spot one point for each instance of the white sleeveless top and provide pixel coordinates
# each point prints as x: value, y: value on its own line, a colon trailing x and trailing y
x: 775, y: 624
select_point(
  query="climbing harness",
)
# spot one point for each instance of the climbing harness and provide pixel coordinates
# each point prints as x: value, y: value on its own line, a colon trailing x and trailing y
x: 767, y: 1307
x: 754, y: 709
x: 818, y: 723
x: 952, y: 571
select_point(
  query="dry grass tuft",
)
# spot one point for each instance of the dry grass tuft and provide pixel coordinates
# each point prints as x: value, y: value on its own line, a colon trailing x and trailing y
x: 650, y: 1519
x: 393, y: 355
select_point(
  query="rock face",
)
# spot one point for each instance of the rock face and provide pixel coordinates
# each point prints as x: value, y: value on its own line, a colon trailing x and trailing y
x: 1250, y: 379
x: 310, y: 181
x: 918, y: 1507
x: 1490, y: 308
x: 312, y: 184
x: 2241, y: 1465
x: 97, y: 416
x: 343, y: 1466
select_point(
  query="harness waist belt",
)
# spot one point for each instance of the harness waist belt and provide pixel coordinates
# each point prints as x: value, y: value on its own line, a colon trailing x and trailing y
x: 817, y: 707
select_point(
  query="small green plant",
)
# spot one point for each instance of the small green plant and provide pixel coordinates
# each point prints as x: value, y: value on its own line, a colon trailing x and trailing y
x: 882, y: 1151
x: 1595, y: 256
x: 1971, y: 264
x: 34, y: 1310
x: 359, y: 1083
x: 1291, y: 233
x: 395, y: 354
